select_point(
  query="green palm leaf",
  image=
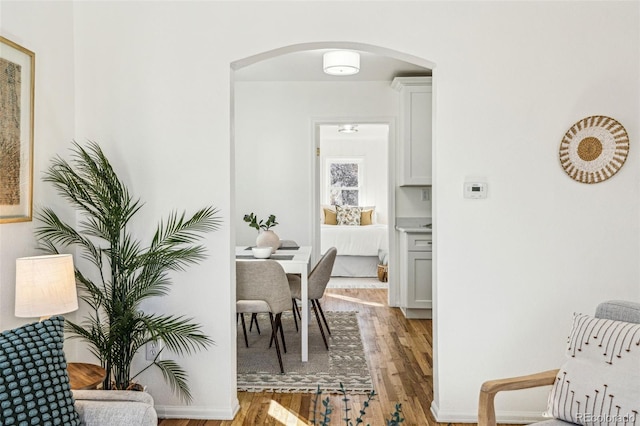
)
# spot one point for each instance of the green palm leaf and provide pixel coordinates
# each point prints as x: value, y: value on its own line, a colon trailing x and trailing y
x: 125, y: 272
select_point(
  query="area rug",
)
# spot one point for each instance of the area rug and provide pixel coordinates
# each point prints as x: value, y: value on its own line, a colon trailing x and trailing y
x: 344, y: 362
x: 356, y: 282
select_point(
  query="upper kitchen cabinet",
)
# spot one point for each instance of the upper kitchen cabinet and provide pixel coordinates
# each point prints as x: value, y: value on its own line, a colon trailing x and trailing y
x: 415, y: 130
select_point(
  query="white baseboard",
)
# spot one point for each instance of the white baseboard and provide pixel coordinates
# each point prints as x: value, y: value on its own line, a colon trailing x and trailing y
x: 512, y: 417
x: 199, y: 413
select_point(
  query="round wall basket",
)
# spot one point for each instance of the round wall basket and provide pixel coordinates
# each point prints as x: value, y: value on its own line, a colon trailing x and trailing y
x: 594, y: 149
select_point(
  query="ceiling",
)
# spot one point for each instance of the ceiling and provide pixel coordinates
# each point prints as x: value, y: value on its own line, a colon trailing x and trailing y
x: 307, y: 66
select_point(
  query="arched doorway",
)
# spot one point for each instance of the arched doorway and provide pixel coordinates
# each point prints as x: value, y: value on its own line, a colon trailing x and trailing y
x: 298, y: 154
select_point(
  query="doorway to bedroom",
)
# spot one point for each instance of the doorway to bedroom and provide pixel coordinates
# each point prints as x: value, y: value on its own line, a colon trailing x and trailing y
x: 353, y: 190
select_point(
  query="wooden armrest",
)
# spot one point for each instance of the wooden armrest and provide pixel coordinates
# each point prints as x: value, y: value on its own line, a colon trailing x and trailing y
x: 486, y: 409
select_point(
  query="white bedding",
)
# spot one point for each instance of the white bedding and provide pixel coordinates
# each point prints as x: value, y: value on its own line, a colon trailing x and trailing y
x: 354, y: 240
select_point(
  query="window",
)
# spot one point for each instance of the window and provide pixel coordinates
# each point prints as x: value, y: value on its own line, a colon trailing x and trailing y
x: 344, y: 181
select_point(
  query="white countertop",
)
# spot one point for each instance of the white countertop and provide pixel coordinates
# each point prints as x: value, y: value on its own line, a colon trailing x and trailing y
x: 413, y: 230
x: 414, y: 225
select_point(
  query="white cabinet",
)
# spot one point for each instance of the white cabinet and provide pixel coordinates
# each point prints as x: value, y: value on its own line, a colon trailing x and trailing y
x: 415, y: 274
x: 415, y: 130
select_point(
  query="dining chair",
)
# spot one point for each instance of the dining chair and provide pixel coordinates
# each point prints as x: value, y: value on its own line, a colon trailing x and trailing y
x: 317, y: 282
x: 284, y: 245
x: 262, y: 286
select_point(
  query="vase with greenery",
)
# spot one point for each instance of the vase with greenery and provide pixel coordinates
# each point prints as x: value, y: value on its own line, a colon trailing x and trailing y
x: 266, y: 237
x: 123, y: 272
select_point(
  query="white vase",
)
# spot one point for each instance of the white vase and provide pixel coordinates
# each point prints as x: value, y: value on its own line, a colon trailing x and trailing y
x: 268, y: 239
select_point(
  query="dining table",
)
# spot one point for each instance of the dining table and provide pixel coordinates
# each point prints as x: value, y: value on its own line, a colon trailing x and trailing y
x: 294, y: 260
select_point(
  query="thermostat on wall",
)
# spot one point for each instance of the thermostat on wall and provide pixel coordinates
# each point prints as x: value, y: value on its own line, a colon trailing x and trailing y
x: 475, y: 190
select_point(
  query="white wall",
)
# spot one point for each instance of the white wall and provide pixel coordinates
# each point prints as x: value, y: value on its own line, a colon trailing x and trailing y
x: 409, y: 202
x: 45, y: 28
x: 153, y: 87
x: 274, y: 144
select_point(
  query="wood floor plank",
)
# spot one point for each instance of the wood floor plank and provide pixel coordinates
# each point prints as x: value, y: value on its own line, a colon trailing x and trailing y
x: 400, y: 357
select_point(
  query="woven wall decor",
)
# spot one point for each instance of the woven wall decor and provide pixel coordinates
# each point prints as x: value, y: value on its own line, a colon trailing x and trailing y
x: 594, y: 149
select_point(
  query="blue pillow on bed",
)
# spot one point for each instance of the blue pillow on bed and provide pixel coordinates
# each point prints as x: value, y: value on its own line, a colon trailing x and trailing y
x: 34, y: 384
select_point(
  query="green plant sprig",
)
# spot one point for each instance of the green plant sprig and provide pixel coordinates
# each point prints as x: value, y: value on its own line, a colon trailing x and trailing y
x: 395, y: 419
x: 252, y: 220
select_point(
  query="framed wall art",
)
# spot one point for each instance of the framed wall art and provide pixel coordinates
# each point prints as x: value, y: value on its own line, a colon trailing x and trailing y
x: 17, y: 78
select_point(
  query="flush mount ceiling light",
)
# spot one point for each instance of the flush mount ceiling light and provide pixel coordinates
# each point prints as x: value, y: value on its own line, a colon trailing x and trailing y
x: 341, y: 62
x: 348, y: 128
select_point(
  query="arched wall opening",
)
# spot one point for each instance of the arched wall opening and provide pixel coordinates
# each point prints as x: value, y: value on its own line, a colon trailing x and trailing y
x: 310, y: 160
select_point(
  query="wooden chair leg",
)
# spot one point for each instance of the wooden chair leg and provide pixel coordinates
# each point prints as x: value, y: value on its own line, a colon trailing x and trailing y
x: 323, y: 318
x: 244, y: 330
x: 274, y: 328
x: 315, y: 309
x: 254, y: 319
x: 294, y: 307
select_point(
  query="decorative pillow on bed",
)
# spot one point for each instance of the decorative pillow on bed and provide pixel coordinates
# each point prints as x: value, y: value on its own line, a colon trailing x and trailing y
x: 329, y: 217
x: 598, y: 382
x: 34, y: 385
x: 366, y: 217
x: 348, y: 215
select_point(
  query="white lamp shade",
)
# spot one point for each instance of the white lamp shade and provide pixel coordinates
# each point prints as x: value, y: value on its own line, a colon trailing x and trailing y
x: 341, y: 62
x: 45, y: 286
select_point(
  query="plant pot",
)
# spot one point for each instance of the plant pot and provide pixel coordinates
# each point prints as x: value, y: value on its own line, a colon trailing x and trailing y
x: 268, y: 239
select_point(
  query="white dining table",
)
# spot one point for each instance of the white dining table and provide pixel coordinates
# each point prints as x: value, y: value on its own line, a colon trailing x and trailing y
x: 293, y: 261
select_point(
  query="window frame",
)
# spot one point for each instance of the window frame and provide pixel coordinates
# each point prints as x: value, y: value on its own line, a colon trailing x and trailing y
x: 360, y: 161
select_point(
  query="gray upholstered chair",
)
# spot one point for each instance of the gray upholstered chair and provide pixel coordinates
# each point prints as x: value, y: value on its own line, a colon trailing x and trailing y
x: 318, y: 280
x: 616, y: 344
x: 262, y: 286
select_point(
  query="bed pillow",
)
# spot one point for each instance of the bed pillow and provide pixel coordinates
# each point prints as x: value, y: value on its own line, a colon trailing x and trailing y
x: 348, y: 215
x: 34, y: 384
x: 329, y: 217
x: 598, y: 383
x: 366, y: 217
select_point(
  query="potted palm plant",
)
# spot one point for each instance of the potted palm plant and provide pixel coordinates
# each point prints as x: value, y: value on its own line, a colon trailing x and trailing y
x: 125, y: 272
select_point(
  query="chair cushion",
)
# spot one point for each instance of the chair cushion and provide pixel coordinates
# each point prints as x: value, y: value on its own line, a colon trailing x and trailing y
x: 598, y: 383
x: 619, y: 310
x: 34, y: 385
x: 252, y: 306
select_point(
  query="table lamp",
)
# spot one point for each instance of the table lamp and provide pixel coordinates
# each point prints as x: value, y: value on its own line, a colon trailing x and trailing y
x: 45, y: 286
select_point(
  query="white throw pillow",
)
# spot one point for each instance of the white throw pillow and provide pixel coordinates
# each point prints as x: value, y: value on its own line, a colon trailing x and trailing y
x: 600, y: 380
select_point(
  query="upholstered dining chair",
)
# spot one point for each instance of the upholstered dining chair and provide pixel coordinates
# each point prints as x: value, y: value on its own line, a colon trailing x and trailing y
x: 598, y: 382
x: 318, y: 280
x: 262, y: 286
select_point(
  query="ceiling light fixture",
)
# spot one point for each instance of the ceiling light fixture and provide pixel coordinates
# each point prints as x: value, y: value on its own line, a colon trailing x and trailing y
x: 341, y: 62
x: 348, y: 128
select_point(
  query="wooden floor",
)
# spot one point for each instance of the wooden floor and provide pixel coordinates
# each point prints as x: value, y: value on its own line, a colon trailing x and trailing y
x: 400, y: 358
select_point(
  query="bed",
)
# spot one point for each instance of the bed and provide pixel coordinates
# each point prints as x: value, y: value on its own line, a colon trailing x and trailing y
x: 358, y: 248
